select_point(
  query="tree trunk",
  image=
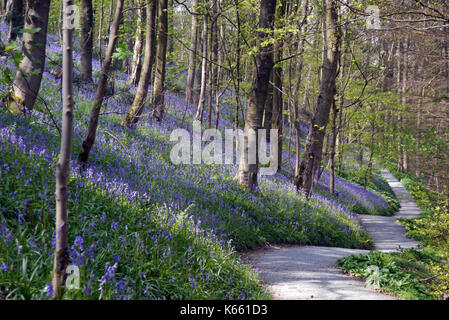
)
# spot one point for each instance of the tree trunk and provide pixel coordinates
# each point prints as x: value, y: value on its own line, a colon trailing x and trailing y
x: 314, y: 144
x: 100, y: 34
x: 161, y: 55
x: 247, y: 174
x: 136, y: 109
x: 219, y: 77
x: 332, y: 149
x: 192, y: 55
x: 61, y: 257
x: 138, y: 44
x: 278, y: 103
x: 87, y: 37
x: 28, y: 78
x: 300, y: 66
x: 202, y: 98
x: 15, y: 9
x: 213, y: 53
x: 99, y: 94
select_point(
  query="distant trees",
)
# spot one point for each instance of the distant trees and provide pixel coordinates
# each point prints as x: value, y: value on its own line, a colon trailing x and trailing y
x: 101, y: 87
x: 314, y: 145
x: 383, y: 104
x: 136, y: 109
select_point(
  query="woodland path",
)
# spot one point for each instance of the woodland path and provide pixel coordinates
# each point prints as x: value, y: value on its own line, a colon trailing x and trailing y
x: 310, y: 272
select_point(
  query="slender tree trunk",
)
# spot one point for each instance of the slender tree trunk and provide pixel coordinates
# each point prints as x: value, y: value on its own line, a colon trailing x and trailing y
x: 161, y: 57
x: 111, y: 12
x: 212, y: 63
x: 136, y: 109
x: 278, y: 102
x: 138, y: 44
x: 28, y: 78
x: 314, y: 144
x: 332, y: 148
x: 99, y: 94
x: 202, y: 98
x: 237, y: 67
x: 247, y: 174
x: 268, y: 109
x: 87, y: 37
x: 219, y: 76
x: 299, y: 68
x: 61, y: 258
x: 192, y: 55
x: 100, y: 34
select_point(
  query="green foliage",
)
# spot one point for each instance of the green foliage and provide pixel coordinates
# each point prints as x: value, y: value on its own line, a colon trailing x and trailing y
x: 15, y: 57
x: 179, y: 266
x: 402, y: 274
x: 410, y: 274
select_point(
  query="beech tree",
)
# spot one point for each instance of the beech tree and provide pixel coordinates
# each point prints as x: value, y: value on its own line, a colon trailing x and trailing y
x: 314, y: 145
x: 28, y: 78
x: 136, y: 109
x: 247, y: 173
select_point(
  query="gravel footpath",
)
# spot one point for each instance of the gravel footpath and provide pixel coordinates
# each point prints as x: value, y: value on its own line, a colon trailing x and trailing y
x: 310, y: 272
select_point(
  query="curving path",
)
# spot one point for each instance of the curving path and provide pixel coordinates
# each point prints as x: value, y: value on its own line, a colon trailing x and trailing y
x: 309, y: 272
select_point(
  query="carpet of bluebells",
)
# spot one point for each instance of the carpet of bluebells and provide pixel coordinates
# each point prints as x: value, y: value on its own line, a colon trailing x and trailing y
x: 141, y: 227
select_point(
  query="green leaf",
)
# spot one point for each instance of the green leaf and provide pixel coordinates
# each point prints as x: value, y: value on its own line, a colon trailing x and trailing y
x: 32, y: 31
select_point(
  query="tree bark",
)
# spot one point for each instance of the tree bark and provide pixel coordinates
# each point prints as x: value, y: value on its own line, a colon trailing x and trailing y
x: 28, y: 78
x: 192, y: 55
x: 15, y: 9
x: 138, y: 45
x: 99, y: 94
x: 314, y: 144
x: 136, y: 109
x: 87, y: 34
x: 247, y: 173
x: 202, y: 97
x: 278, y: 102
x: 161, y: 56
x: 61, y: 257
x: 100, y: 34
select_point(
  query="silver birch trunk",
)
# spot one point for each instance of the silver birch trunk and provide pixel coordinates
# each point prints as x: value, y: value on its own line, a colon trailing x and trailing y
x: 61, y: 258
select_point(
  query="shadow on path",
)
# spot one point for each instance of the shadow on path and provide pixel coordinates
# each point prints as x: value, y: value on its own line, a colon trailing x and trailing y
x: 310, y: 272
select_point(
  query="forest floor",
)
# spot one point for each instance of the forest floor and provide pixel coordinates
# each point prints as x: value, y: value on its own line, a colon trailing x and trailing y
x: 310, y: 272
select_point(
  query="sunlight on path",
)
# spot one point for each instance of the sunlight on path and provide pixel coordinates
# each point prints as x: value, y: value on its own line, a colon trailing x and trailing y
x: 386, y: 233
x: 309, y: 272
